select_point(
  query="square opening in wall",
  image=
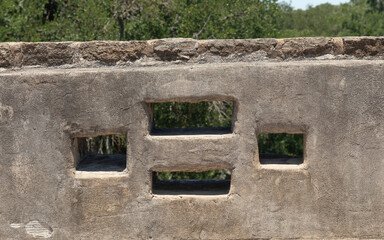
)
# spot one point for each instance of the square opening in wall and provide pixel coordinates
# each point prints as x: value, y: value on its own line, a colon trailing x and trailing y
x: 213, y: 182
x: 101, y: 153
x: 204, y: 117
x: 281, y: 148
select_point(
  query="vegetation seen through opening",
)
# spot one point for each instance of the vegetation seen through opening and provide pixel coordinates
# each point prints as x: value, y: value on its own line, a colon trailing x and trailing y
x: 102, y: 153
x: 192, y: 114
x: 281, y: 148
x: 212, y: 182
x: 200, y: 114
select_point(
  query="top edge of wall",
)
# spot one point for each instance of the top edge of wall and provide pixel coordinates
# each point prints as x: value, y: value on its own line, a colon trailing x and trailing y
x: 16, y: 55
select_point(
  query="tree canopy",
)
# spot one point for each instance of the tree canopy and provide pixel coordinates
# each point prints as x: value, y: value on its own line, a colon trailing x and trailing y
x: 356, y: 18
x: 84, y: 20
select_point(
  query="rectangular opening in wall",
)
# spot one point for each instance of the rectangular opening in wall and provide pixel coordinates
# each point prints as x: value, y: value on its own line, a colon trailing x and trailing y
x: 281, y: 148
x: 101, y: 153
x: 204, y: 117
x: 213, y: 182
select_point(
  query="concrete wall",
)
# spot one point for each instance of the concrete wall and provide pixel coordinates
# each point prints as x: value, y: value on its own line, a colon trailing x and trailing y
x: 330, y: 89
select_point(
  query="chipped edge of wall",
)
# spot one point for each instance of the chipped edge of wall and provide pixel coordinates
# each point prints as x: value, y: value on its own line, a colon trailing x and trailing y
x: 182, y: 51
x: 154, y: 52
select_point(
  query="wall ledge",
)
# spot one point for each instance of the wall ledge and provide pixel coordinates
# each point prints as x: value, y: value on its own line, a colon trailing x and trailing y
x: 183, y: 51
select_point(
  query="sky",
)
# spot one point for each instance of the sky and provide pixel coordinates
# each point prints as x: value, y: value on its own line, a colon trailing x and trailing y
x: 302, y: 4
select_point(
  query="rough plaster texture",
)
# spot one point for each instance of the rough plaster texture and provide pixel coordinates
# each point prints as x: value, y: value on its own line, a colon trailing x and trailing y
x: 330, y: 89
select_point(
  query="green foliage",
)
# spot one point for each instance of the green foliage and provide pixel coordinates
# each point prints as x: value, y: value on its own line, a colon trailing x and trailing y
x: 55, y: 20
x: 323, y: 20
x: 20, y: 20
x: 281, y: 143
x: 356, y: 18
x: 224, y: 18
x: 202, y: 19
x: 84, y: 20
x: 214, y: 174
x: 186, y: 114
x: 376, y: 5
x: 109, y: 144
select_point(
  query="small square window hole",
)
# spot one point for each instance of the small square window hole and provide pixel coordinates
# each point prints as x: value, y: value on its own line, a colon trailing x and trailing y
x: 101, y: 153
x: 281, y: 148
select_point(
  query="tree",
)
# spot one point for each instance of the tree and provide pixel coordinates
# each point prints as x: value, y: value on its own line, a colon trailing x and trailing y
x: 356, y: 18
x: 84, y: 20
x: 376, y: 5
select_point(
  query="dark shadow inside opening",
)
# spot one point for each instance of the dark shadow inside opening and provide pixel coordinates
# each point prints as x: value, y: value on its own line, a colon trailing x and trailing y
x: 270, y: 158
x: 190, y: 131
x: 101, y: 153
x: 281, y: 148
x: 187, y: 183
x: 103, y: 162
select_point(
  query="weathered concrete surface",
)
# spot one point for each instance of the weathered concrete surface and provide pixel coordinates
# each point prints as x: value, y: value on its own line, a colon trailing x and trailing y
x: 338, y: 192
x: 160, y: 52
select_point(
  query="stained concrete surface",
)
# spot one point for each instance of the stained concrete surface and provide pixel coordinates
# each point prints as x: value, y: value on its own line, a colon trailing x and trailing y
x: 333, y: 95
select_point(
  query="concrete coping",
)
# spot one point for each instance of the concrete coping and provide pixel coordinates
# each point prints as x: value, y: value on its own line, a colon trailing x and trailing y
x: 15, y: 55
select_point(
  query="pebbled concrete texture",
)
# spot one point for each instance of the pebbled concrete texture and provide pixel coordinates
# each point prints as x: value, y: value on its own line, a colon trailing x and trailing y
x: 184, y: 51
x: 48, y: 100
